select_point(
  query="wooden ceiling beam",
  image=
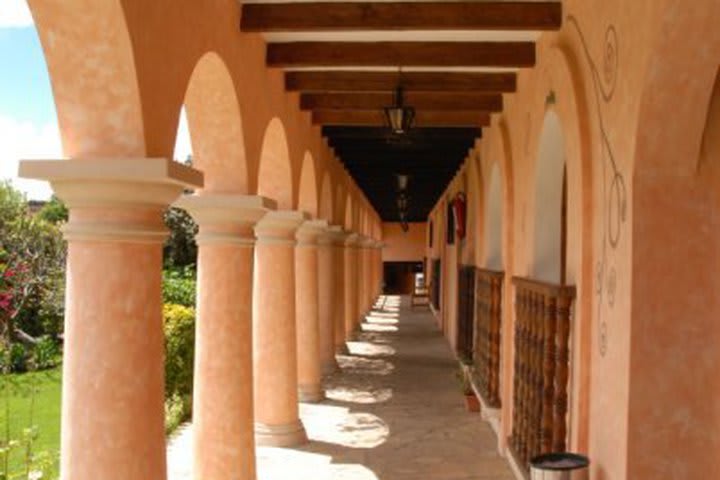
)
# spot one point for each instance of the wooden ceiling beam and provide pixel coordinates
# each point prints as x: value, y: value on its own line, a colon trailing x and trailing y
x: 364, y: 16
x: 341, y: 81
x: 418, y: 100
x: 440, y: 54
x: 426, y: 118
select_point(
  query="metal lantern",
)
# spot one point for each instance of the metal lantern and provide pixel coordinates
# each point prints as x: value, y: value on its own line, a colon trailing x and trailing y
x: 399, y: 117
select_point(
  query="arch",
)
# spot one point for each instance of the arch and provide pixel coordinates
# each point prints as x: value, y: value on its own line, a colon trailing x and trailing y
x: 326, y: 199
x: 92, y: 71
x: 675, y: 190
x: 349, y: 221
x: 215, y: 125
x: 549, y: 174
x: 307, y: 193
x: 676, y: 151
x: 493, y: 223
x: 474, y: 208
x: 340, y: 205
x: 275, y: 170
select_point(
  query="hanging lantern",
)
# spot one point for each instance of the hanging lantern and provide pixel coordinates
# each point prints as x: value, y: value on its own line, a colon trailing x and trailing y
x: 399, y: 117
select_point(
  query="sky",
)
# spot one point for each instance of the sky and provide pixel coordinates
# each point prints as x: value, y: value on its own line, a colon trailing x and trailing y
x: 28, y: 119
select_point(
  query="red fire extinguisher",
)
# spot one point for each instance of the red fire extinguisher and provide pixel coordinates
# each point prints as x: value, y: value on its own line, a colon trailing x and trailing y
x: 459, y: 206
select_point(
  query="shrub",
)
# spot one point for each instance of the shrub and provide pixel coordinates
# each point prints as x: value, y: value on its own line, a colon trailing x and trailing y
x: 177, y: 410
x: 179, y: 354
x: 179, y: 286
x: 179, y: 349
x: 46, y: 353
x: 14, y: 359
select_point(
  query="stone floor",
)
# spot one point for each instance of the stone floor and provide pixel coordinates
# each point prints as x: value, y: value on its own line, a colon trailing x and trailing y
x: 394, y: 412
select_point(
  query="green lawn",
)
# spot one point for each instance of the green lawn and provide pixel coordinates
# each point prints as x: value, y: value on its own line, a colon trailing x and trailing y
x: 25, y: 410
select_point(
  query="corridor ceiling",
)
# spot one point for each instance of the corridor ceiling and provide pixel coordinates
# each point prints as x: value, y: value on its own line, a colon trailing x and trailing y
x: 455, y: 61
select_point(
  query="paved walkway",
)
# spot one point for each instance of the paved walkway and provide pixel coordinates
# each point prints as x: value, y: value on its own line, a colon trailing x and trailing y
x: 394, y: 412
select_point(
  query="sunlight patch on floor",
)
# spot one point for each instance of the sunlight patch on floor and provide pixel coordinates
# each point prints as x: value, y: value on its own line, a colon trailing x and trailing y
x: 367, y: 349
x: 365, y: 366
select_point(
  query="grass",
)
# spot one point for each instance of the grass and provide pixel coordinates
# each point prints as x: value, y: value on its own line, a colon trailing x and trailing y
x: 21, y: 410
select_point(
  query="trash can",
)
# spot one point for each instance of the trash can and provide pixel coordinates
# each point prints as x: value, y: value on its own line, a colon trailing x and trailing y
x: 559, y: 466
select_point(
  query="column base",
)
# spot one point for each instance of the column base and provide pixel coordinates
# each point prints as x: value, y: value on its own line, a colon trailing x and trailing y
x: 330, y: 368
x: 342, y: 349
x: 288, y: 435
x: 311, y: 393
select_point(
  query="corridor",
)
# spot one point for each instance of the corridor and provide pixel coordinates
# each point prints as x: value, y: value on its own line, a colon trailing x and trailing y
x: 393, y: 412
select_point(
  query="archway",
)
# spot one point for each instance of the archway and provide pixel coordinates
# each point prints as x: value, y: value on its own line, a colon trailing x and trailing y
x: 326, y: 199
x: 547, y: 257
x: 493, y: 221
x: 215, y: 126
x: 349, y: 221
x: 675, y: 232
x: 83, y: 61
x: 307, y: 193
x: 275, y: 171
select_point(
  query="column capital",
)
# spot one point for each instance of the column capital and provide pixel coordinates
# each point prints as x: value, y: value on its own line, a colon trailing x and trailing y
x: 226, y: 218
x: 337, y: 235
x: 352, y: 239
x: 367, y: 242
x: 310, y: 232
x: 279, y: 226
x: 115, y: 199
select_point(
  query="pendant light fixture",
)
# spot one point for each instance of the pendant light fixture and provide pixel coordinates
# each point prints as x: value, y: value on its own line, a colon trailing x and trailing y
x: 399, y: 117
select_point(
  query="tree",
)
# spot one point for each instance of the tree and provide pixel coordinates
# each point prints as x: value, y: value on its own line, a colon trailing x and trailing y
x: 54, y: 211
x: 180, y: 248
x: 32, y: 261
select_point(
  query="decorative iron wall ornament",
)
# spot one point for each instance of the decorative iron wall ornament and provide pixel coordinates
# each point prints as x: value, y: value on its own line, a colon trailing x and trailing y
x: 613, y: 181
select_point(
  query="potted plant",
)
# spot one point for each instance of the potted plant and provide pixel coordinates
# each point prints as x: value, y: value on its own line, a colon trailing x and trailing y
x: 472, y: 404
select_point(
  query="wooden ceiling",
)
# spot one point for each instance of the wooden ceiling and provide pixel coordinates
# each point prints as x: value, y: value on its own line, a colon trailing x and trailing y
x: 455, y: 61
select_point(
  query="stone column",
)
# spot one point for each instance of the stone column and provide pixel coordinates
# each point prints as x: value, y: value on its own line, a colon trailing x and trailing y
x: 352, y: 299
x: 277, y: 422
x: 307, y: 311
x: 222, y: 391
x: 360, y: 286
x: 113, y: 370
x: 379, y: 275
x: 327, y: 293
x: 364, y: 279
x: 338, y: 239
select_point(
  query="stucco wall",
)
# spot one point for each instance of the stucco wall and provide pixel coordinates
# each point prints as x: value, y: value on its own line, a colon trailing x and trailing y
x: 611, y: 76
x: 404, y: 246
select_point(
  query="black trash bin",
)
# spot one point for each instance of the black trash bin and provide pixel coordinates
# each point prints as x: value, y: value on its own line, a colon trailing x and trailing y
x: 559, y: 466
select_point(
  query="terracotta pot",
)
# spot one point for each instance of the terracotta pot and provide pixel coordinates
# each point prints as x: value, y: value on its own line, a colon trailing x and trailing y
x: 472, y: 404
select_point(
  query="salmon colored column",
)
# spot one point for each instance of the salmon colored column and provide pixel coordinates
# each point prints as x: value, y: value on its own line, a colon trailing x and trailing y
x: 307, y: 311
x: 360, y: 281
x: 326, y: 302
x: 277, y: 422
x: 352, y: 299
x: 379, y: 275
x: 338, y: 238
x: 222, y: 391
x: 113, y: 383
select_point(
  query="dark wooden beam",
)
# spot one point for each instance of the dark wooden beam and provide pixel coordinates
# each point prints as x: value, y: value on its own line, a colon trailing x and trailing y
x: 341, y: 81
x: 442, y: 54
x: 486, y: 15
x: 480, y: 102
x: 423, y: 118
